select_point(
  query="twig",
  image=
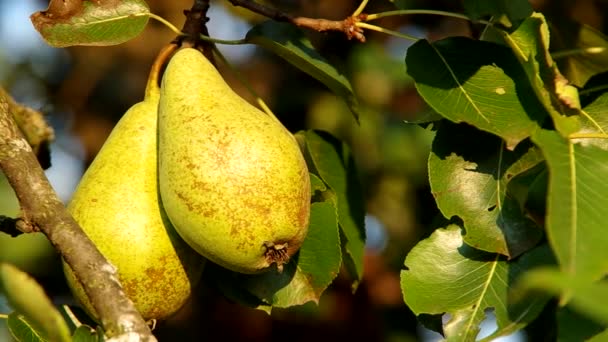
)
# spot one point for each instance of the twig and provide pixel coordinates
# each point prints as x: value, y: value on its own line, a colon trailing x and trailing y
x: 194, y: 26
x: 347, y: 26
x: 44, y: 211
x: 33, y: 126
x: 11, y: 225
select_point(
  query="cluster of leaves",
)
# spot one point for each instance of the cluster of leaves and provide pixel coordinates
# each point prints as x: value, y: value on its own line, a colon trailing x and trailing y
x: 517, y: 166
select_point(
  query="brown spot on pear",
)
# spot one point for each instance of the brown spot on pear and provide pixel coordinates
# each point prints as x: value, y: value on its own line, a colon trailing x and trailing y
x: 118, y: 206
x: 251, y: 203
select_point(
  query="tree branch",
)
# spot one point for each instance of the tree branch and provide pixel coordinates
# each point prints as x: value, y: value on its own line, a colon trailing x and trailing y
x: 43, y: 210
x: 347, y: 26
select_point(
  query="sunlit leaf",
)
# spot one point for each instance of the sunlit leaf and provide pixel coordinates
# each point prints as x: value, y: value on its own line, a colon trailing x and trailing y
x: 476, y: 82
x: 595, y: 120
x: 23, y: 331
x: 97, y: 23
x: 577, y: 202
x: 530, y: 44
x: 29, y: 300
x: 288, y: 42
x: 469, y: 171
x: 331, y: 160
x: 589, y: 298
x: 444, y: 275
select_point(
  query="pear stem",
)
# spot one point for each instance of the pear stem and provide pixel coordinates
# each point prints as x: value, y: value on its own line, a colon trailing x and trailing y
x: 152, y: 87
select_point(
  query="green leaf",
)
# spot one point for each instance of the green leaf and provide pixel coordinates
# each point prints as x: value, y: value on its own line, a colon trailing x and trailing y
x: 476, y: 82
x: 577, y: 202
x: 28, y: 299
x: 444, y: 275
x: 572, y: 326
x: 97, y: 23
x: 601, y: 337
x: 530, y: 44
x: 288, y: 42
x: 515, y: 10
x: 572, y: 40
x: 469, y: 171
x: 316, y: 184
x: 23, y: 331
x: 331, y: 160
x: 589, y: 298
x: 85, y: 333
x: 316, y: 266
x: 595, y: 120
x: 303, y: 279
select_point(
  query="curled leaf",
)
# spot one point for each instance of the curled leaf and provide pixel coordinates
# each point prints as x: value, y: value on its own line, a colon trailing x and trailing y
x: 98, y: 23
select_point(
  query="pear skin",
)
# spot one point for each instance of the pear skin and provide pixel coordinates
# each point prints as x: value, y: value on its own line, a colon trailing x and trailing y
x: 118, y: 206
x: 232, y: 179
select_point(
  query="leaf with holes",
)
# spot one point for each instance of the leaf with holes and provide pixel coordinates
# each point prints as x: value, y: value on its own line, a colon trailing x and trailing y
x: 476, y: 82
x: 577, y: 202
x: 444, y: 275
x: 469, y: 171
x: 97, y: 23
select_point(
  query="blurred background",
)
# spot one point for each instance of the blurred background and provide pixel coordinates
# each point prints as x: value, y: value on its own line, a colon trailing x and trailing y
x: 85, y: 90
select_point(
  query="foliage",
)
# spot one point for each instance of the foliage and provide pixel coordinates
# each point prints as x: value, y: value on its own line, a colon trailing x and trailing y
x: 518, y: 166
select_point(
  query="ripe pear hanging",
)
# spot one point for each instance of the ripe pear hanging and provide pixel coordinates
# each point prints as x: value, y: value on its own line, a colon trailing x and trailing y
x: 232, y: 179
x: 117, y: 205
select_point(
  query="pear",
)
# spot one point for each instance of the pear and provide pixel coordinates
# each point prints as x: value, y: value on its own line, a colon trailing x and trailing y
x: 232, y: 178
x: 117, y: 205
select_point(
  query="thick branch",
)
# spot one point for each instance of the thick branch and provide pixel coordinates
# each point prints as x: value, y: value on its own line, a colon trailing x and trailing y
x: 347, y: 26
x: 43, y: 210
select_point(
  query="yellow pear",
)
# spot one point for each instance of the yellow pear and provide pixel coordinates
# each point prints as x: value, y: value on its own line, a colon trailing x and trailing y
x: 232, y: 179
x: 117, y: 205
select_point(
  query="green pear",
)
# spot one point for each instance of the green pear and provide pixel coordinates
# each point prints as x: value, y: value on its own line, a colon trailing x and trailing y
x: 232, y: 179
x: 117, y: 205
